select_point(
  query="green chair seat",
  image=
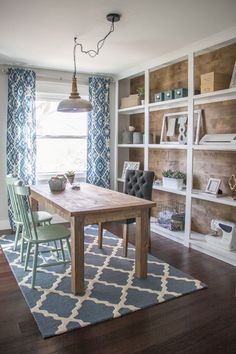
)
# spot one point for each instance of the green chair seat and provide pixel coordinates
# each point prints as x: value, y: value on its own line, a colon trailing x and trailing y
x: 51, y: 232
x: 41, y: 217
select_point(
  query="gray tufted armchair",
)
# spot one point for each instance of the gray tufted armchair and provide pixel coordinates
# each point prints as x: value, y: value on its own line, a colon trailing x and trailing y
x: 139, y: 184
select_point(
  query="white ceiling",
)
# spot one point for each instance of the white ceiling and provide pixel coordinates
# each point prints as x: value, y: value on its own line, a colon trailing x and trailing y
x: 40, y: 33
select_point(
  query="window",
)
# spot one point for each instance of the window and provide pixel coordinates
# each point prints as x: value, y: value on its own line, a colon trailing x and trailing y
x: 61, y: 140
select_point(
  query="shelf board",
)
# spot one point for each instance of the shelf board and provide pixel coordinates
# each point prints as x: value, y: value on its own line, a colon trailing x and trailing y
x: 215, y: 96
x: 169, y: 190
x: 168, y: 146
x: 131, y: 145
x: 172, y: 235
x: 217, y: 147
x: 161, y: 188
x: 178, y: 102
x: 197, y: 194
x: 131, y: 110
x: 199, y: 243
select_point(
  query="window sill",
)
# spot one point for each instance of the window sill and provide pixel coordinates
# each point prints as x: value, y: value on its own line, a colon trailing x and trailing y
x: 43, y: 178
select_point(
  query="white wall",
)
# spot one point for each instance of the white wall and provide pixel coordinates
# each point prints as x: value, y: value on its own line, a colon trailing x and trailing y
x: 4, y: 224
x: 49, y: 75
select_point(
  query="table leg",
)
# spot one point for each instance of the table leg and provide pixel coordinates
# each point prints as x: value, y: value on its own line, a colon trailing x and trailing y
x: 77, y: 255
x: 142, y: 235
x: 34, y: 204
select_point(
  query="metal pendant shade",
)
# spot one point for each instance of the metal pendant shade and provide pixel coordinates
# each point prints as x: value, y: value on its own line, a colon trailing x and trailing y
x: 75, y: 103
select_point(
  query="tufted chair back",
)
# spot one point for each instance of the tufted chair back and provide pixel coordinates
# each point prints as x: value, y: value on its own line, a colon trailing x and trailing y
x: 139, y: 183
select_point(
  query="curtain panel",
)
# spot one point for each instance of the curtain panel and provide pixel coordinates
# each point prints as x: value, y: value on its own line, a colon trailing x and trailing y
x: 21, y: 127
x: 98, y: 151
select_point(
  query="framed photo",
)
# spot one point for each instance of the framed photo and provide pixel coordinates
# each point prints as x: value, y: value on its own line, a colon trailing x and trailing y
x: 129, y: 165
x: 213, y: 186
x: 233, y: 77
x: 175, y: 127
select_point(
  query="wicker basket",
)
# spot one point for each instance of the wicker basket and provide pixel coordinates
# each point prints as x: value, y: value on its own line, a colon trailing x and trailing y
x: 171, y: 215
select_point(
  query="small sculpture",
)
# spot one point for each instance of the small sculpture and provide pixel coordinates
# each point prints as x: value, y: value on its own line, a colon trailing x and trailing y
x: 232, y: 186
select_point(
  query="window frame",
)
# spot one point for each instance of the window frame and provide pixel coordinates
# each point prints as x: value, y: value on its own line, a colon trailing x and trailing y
x: 54, y: 92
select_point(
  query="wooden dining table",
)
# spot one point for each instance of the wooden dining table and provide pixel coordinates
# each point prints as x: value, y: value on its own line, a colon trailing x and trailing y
x: 92, y: 205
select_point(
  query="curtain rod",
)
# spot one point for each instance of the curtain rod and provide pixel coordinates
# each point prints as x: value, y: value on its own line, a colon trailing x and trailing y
x: 45, y: 77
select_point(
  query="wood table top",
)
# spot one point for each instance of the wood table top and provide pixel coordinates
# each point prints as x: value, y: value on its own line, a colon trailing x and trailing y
x: 89, y: 199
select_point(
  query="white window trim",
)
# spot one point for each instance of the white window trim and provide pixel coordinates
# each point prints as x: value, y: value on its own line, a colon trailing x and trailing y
x: 56, y: 91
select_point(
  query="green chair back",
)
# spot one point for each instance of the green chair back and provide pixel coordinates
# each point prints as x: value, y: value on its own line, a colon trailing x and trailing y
x: 22, y: 194
x: 10, y: 180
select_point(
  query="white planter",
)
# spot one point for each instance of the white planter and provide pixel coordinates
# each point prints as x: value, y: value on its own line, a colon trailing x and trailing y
x: 172, y: 183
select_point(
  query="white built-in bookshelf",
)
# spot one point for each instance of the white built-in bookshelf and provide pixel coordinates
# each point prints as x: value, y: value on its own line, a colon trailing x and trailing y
x: 190, y: 157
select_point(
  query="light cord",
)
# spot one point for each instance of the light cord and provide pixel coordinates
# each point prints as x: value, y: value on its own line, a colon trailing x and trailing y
x: 91, y: 52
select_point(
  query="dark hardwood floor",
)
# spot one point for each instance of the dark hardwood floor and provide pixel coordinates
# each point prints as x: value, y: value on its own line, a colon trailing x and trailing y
x: 202, y: 322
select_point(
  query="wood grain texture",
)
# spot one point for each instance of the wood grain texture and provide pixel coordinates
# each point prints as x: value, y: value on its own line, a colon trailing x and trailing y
x: 89, y: 199
x: 218, y: 117
x: 137, y: 155
x: 194, y: 323
x: 135, y: 83
x: 168, y: 78
x: 77, y: 255
x: 163, y: 159
x: 213, y: 164
x: 221, y: 61
x: 137, y: 120
x: 203, y: 212
x: 141, y: 243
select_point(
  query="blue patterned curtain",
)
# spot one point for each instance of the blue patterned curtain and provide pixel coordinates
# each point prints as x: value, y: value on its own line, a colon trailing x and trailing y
x: 98, y: 156
x: 21, y: 127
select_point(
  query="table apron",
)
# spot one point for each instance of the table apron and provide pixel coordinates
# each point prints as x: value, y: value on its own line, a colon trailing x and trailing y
x: 95, y: 218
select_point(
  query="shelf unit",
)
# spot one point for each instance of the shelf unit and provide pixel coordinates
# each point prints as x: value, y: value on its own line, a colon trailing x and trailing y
x: 184, y: 69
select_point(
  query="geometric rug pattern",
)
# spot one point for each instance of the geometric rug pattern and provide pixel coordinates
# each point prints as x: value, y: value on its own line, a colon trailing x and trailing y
x: 112, y: 290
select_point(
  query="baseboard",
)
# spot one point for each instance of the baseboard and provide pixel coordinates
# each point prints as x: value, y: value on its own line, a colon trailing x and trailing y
x: 4, y: 225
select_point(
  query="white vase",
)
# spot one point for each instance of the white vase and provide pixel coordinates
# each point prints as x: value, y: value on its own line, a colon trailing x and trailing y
x: 172, y: 183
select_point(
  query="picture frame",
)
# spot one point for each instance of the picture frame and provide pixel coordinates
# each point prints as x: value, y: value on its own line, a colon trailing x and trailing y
x: 129, y: 165
x: 233, y: 77
x: 213, y: 186
x: 175, y: 127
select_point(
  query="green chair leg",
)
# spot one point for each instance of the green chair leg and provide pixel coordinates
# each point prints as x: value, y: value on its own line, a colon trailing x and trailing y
x: 22, y: 249
x: 55, y: 244
x: 34, y: 266
x: 18, y: 230
x: 27, y: 255
x: 68, y: 246
x: 62, y: 251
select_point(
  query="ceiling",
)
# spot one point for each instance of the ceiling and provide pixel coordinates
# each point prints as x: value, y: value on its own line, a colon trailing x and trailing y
x: 40, y: 33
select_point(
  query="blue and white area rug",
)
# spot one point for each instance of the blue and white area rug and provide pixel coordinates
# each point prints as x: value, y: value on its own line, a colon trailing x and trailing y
x: 112, y: 290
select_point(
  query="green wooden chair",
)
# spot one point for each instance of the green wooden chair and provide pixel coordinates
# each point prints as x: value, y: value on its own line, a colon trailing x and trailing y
x: 40, y: 217
x: 35, y: 235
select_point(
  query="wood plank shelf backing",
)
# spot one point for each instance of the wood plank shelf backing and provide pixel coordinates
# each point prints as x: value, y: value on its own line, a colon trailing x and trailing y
x: 199, y: 162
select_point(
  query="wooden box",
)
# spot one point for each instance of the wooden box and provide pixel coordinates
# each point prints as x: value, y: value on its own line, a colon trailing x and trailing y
x: 130, y: 101
x: 214, y: 81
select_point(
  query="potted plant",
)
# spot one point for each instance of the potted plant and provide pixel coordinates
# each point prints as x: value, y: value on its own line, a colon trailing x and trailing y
x: 173, y: 179
x: 141, y: 93
x: 70, y: 175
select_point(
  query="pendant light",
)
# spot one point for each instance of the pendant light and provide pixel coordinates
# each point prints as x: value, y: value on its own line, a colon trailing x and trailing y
x: 75, y: 103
